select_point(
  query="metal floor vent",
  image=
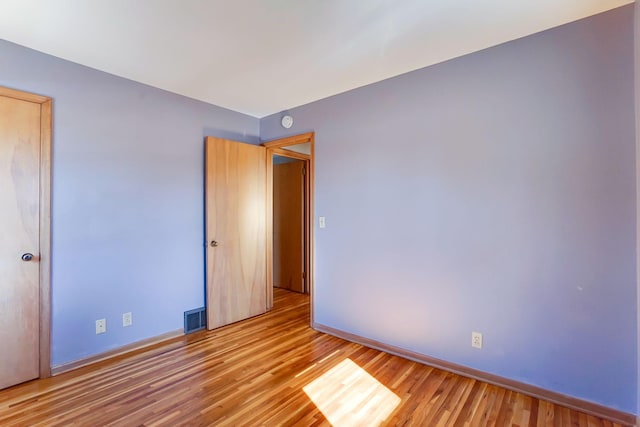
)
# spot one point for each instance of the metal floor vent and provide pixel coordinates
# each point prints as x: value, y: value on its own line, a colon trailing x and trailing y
x: 195, y: 320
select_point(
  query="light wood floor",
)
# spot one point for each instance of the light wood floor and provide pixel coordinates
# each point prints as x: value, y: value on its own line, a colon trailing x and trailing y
x: 272, y: 370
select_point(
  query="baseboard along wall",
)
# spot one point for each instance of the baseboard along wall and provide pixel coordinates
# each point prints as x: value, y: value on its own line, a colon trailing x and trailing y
x: 585, y: 406
x: 120, y: 351
x: 162, y: 343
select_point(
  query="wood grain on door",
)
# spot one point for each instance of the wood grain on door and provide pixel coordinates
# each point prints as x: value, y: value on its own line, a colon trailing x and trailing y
x: 236, y: 231
x: 20, y: 127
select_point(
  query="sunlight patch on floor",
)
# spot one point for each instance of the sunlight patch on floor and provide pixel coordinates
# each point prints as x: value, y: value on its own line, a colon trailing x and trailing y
x: 348, y: 396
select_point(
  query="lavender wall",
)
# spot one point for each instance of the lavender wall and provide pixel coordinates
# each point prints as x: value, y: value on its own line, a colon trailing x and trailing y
x: 127, y: 200
x: 492, y: 193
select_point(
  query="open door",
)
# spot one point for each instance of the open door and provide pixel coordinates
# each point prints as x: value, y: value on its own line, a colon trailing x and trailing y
x: 236, y: 213
x: 300, y: 147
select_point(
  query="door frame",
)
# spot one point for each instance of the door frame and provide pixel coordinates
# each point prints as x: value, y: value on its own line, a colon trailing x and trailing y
x: 44, y: 221
x: 276, y: 147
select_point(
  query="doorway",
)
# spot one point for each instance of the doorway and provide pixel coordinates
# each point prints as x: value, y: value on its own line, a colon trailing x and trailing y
x: 25, y: 168
x: 239, y: 198
x: 289, y: 192
x: 290, y: 184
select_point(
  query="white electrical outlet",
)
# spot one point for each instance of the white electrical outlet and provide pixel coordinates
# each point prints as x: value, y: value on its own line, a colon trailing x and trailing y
x: 101, y: 326
x: 322, y: 221
x: 476, y: 340
x: 127, y: 319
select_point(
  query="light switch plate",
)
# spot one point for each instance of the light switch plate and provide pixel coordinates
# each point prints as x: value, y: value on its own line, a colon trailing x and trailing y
x: 322, y: 222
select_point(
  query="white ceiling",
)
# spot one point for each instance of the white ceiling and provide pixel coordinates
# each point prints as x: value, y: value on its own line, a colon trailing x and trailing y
x: 264, y: 56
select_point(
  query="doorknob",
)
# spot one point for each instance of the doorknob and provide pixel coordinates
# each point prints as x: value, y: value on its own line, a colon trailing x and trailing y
x: 27, y: 257
x: 214, y: 243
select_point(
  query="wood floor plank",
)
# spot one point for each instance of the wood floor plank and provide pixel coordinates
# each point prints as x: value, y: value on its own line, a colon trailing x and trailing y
x: 268, y: 371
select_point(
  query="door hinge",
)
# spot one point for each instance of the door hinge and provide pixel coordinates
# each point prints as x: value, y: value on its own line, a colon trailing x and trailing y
x: 304, y: 275
x: 304, y: 171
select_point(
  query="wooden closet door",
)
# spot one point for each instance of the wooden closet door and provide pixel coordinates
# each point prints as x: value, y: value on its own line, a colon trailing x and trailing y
x: 20, y: 127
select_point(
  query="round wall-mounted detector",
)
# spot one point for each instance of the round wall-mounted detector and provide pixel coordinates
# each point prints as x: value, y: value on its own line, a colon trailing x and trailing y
x: 287, y: 121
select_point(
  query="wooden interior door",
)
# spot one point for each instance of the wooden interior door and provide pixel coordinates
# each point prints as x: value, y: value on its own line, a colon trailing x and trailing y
x: 236, y: 215
x: 288, y: 225
x: 20, y: 128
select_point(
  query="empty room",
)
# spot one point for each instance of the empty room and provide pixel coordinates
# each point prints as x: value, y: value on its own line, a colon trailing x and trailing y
x: 319, y: 213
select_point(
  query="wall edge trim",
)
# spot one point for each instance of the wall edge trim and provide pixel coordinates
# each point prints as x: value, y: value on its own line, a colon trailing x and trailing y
x: 125, y: 350
x: 585, y: 406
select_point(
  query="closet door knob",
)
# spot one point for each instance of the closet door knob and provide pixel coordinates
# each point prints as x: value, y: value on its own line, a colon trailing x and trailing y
x: 214, y: 243
x: 27, y: 257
